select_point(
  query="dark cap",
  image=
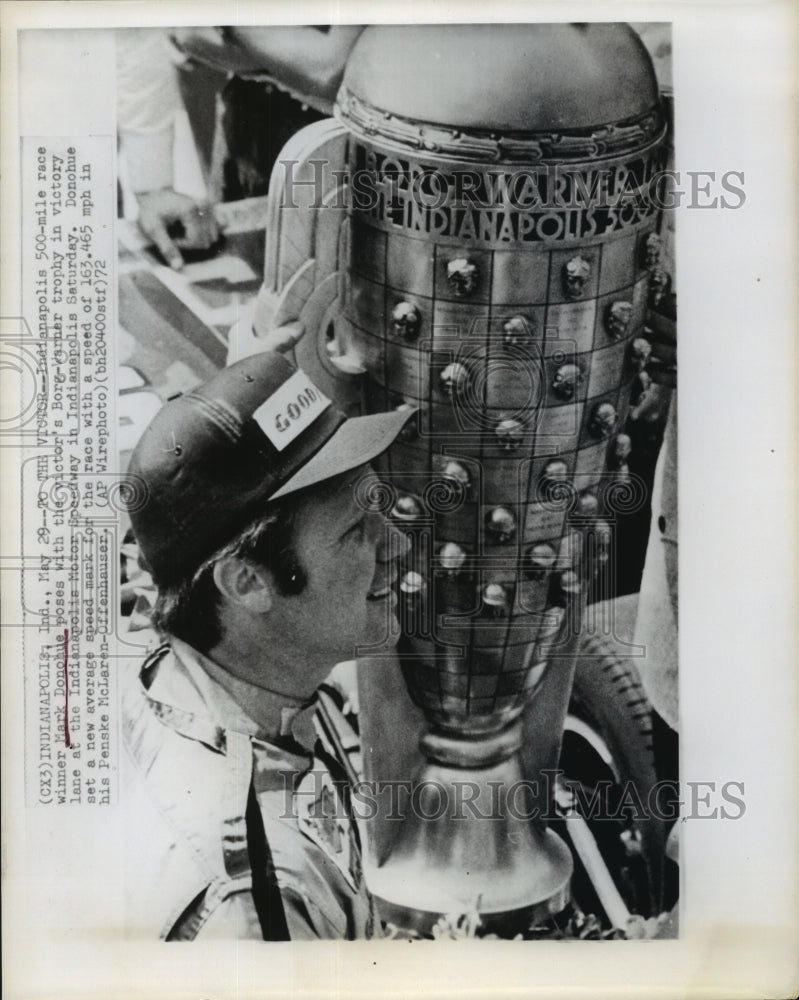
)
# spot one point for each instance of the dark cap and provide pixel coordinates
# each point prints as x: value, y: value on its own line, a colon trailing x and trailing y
x: 210, y: 460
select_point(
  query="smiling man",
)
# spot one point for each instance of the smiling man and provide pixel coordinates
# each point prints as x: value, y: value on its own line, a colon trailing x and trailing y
x: 270, y: 568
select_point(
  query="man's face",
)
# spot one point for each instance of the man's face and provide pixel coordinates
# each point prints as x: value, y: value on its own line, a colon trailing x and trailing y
x: 349, y: 555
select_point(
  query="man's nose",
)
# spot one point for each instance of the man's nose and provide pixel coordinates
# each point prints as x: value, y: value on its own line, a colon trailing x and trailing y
x: 393, y: 543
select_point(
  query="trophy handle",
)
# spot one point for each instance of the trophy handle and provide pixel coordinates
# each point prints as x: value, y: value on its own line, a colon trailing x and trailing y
x: 298, y: 306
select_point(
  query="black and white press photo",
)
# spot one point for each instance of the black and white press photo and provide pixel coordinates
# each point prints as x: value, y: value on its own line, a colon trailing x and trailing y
x: 372, y: 582
x: 462, y: 355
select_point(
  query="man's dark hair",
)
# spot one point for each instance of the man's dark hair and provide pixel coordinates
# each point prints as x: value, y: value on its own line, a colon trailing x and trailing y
x: 189, y: 609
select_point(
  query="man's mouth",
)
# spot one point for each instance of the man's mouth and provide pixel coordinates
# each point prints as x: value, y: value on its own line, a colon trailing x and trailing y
x: 379, y: 595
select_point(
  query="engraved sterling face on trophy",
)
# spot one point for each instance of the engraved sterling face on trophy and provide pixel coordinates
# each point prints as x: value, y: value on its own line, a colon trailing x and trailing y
x: 620, y: 452
x: 555, y: 471
x: 407, y: 320
x: 516, y: 332
x: 640, y: 354
x: 451, y: 558
x: 566, y: 381
x: 651, y: 251
x: 569, y: 583
x: 603, y: 421
x: 659, y: 285
x: 640, y: 388
x: 600, y: 541
x: 495, y: 600
x: 462, y: 277
x: 538, y: 561
x: 412, y: 583
x: 617, y: 319
x: 407, y: 508
x: 509, y: 433
x: 575, y: 275
x: 458, y: 474
x: 454, y: 379
x: 587, y: 506
x: 500, y: 525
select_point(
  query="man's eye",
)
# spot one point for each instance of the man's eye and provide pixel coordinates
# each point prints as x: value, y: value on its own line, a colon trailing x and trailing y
x: 356, y: 532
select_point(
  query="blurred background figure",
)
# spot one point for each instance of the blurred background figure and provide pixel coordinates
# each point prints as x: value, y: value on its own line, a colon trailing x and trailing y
x: 164, y: 191
x: 268, y: 83
x: 204, y: 112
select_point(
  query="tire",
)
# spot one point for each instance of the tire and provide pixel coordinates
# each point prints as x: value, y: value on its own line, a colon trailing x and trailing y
x: 607, y: 744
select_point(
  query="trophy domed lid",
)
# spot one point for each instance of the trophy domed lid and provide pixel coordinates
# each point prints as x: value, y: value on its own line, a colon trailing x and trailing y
x: 509, y: 77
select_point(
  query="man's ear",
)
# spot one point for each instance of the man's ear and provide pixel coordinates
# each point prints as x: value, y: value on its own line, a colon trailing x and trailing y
x: 244, y: 583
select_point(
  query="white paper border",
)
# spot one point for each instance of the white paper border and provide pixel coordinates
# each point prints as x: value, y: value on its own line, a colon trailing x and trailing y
x: 735, y: 83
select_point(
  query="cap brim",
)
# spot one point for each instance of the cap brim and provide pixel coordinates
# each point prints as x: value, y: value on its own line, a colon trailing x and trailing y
x: 356, y: 442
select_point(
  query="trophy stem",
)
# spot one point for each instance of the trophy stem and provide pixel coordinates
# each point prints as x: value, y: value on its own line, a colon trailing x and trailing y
x: 471, y: 843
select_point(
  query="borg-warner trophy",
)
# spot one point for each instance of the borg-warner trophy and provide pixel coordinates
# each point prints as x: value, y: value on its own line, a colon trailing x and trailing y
x: 492, y: 269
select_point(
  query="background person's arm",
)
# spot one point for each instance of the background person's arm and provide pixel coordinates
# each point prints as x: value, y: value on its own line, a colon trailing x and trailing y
x: 303, y: 58
x: 148, y: 100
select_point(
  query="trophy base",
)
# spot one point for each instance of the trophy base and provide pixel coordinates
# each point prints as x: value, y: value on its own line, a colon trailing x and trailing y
x: 415, y: 899
x: 469, y: 847
x: 505, y: 925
